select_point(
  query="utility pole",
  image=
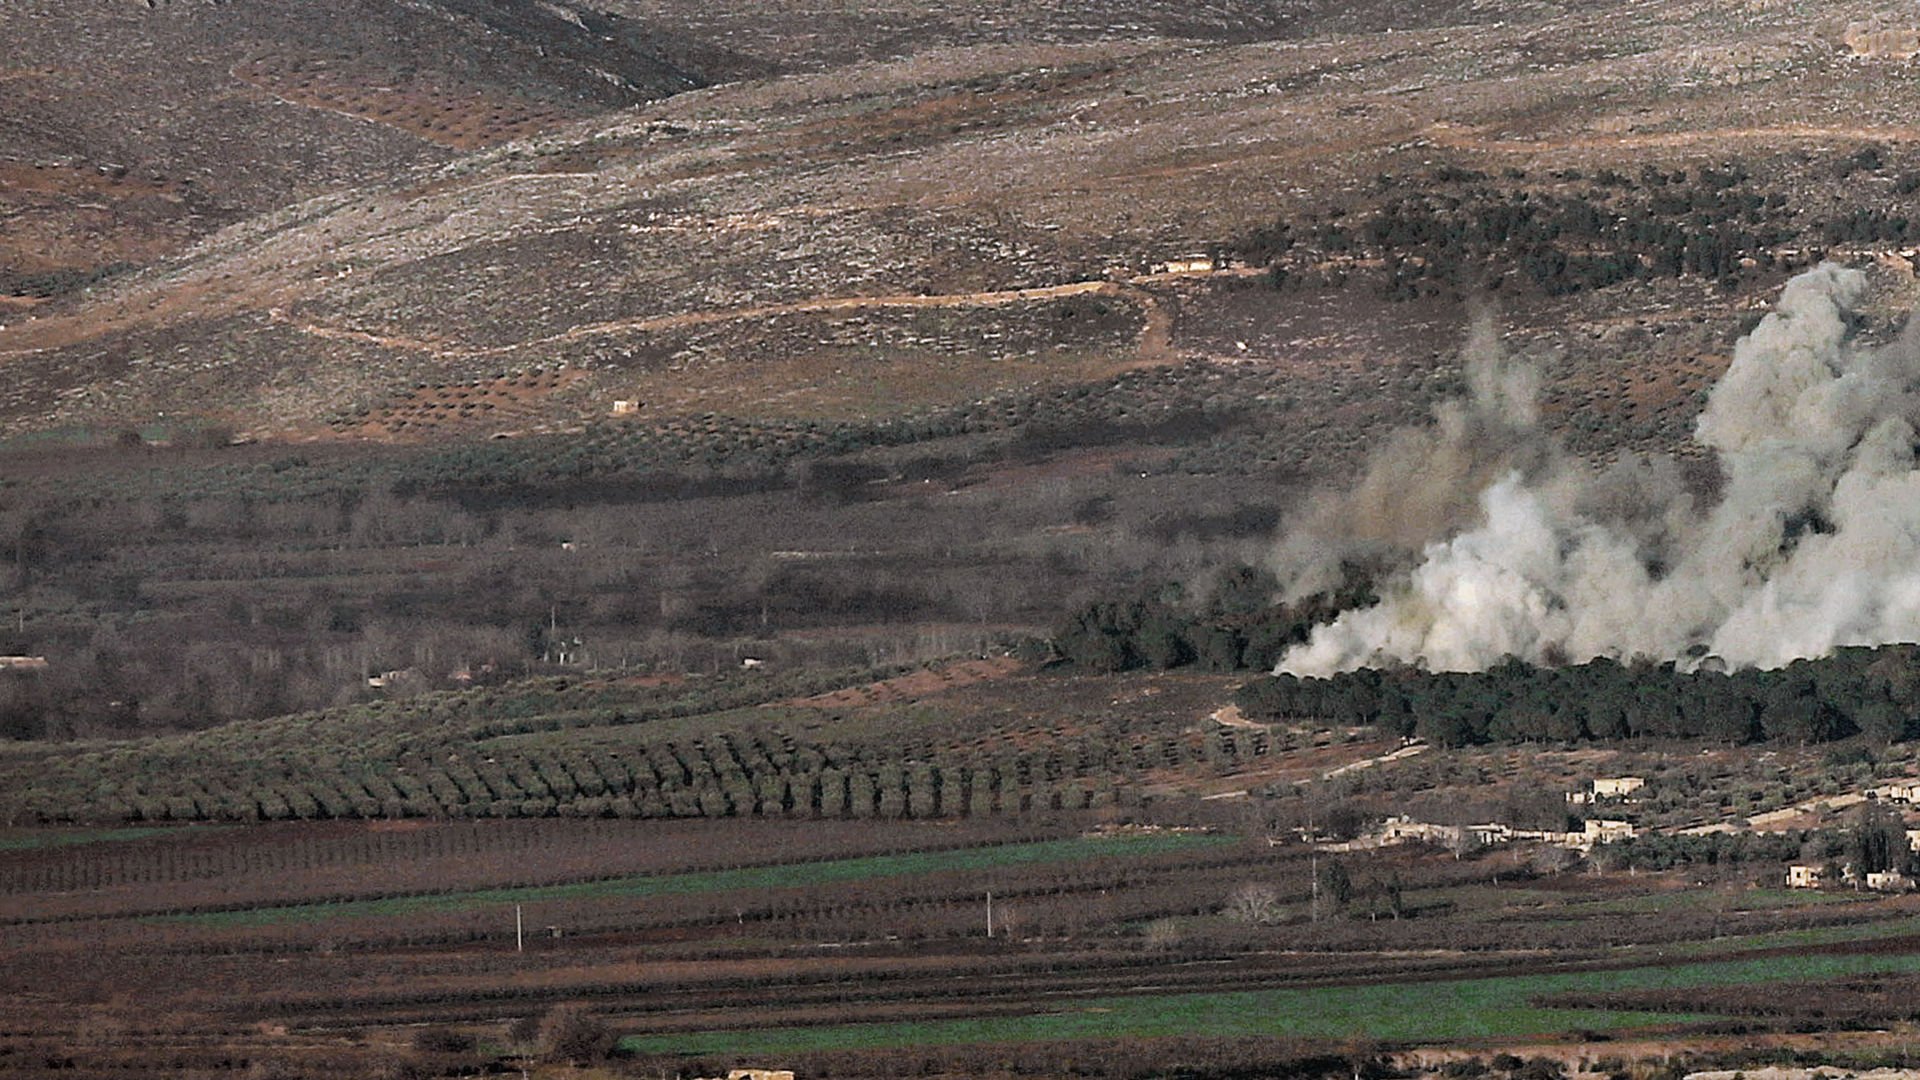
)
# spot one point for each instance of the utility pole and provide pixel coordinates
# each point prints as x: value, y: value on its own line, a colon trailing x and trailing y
x: 989, y: 912
x: 1313, y: 868
x: 519, y: 931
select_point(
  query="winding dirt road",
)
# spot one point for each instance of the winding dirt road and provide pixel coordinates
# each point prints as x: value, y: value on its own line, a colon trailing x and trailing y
x: 1155, y: 343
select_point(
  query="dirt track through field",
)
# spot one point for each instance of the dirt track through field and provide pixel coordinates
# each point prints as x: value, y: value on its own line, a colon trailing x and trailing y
x: 396, y: 342
x: 1155, y: 344
x: 998, y: 298
x: 1231, y: 716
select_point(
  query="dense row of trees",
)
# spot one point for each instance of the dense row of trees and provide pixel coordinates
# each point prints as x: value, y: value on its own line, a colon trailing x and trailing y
x: 723, y: 776
x: 592, y: 750
x: 1874, y: 692
x: 1567, y: 244
x: 1664, y: 851
x: 1234, y: 626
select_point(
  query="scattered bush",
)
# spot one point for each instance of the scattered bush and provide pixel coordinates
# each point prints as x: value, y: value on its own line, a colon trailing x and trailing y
x: 572, y: 1035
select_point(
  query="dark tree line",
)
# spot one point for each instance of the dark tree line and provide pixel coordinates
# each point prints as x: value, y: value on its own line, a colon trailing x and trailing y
x: 1712, y: 225
x: 1666, y: 851
x: 1236, y: 626
x: 1876, y: 840
x: 1873, y: 692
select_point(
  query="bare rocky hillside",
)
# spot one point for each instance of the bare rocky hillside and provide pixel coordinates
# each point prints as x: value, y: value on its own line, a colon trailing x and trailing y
x: 885, y: 209
x: 133, y: 127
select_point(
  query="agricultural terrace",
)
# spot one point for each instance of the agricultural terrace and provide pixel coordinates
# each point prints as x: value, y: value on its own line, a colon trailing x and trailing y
x: 743, y: 745
x: 705, y: 942
x: 730, y: 864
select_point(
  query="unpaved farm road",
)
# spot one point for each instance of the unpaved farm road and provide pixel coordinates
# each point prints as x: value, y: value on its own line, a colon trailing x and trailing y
x: 1231, y: 716
x: 1773, y: 820
x: 1156, y: 338
x: 1155, y: 345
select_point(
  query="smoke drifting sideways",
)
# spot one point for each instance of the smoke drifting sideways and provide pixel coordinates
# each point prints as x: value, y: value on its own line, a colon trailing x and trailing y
x: 1533, y: 554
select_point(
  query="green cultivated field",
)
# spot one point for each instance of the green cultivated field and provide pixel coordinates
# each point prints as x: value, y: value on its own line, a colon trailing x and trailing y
x: 1791, y: 939
x: 1411, y: 1011
x: 825, y: 872
x: 1701, y: 899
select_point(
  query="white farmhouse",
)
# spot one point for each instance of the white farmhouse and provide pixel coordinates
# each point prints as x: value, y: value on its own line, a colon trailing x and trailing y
x: 1805, y: 876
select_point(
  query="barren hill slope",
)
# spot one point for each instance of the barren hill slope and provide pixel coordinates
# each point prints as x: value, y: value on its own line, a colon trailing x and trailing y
x: 976, y: 216
x: 134, y: 126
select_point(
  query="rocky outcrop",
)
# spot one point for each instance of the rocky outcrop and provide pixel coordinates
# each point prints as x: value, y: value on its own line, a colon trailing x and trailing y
x: 1883, y: 43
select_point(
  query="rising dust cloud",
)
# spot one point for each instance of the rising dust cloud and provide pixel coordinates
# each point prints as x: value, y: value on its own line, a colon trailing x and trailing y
x: 1528, y: 552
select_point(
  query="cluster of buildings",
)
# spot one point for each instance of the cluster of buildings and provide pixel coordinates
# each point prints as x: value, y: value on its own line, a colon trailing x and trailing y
x: 1405, y: 830
x: 1819, y: 876
x: 1593, y: 832
x: 1815, y: 876
x: 1596, y: 831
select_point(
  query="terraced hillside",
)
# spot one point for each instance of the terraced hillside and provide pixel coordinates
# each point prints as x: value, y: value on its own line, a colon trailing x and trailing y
x: 845, y: 873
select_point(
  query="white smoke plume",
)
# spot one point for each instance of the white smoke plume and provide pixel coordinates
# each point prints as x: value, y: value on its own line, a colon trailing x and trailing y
x: 1813, y: 544
x: 1422, y: 484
